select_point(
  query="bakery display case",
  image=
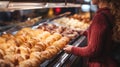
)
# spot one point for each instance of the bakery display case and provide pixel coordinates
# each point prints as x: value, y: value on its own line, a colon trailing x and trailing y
x: 39, y: 42
x: 40, y: 45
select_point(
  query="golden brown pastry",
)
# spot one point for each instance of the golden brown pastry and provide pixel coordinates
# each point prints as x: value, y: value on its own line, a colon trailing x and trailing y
x: 35, y: 55
x: 7, y: 36
x: 11, y: 42
x: 53, y: 48
x: 45, y: 55
x: 4, y: 46
x: 30, y: 63
x: 37, y: 49
x: 10, y: 58
x: 1, y: 53
x: 24, y: 50
x: 37, y: 32
x: 25, y: 56
x: 26, y: 63
x: 4, y: 63
x: 52, y: 53
x: 28, y: 45
x: 23, y: 31
x: 11, y: 50
x: 39, y: 46
x: 42, y: 36
x: 31, y: 43
x: 22, y: 38
x: 35, y: 62
x: 49, y: 41
x: 61, y: 43
x: 2, y: 40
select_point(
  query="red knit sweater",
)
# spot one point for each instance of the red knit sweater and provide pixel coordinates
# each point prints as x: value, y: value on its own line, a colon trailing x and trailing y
x: 99, y: 41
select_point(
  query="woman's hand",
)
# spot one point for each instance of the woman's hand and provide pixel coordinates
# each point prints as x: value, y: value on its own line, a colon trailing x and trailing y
x: 68, y: 49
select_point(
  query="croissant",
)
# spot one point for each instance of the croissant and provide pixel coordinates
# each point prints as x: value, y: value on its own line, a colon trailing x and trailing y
x: 37, y: 32
x: 31, y: 43
x: 23, y: 30
x: 35, y: 55
x: 24, y: 50
x: 18, y: 41
x: 25, y: 56
x: 49, y: 40
x: 7, y: 36
x: 61, y: 43
x: 57, y: 36
x: 10, y: 58
x: 52, y: 48
x: 40, y: 45
x: 35, y: 62
x: 4, y: 63
x: 45, y: 55
x: 28, y: 45
x: 52, y: 52
x: 26, y: 63
x: 1, y: 53
x: 2, y: 40
x: 44, y: 35
x: 18, y: 58
x: 11, y: 42
x: 12, y: 50
x: 29, y: 63
x: 37, y: 49
x: 4, y: 46
x: 22, y: 38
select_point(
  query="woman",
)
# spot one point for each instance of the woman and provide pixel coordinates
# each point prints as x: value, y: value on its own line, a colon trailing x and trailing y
x: 99, y: 37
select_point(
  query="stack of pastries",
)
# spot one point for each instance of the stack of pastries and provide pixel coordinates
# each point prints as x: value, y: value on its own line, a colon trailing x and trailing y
x: 67, y: 32
x: 29, y: 48
x: 75, y: 22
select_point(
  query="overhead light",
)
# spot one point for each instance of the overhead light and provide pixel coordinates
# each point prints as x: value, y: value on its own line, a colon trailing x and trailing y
x: 26, y: 6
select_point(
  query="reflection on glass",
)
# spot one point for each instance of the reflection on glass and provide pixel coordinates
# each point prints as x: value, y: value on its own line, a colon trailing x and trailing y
x: 93, y: 8
x: 87, y: 0
x: 85, y: 8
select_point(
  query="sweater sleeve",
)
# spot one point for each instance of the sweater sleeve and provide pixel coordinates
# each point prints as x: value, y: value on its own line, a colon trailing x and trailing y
x: 98, y: 31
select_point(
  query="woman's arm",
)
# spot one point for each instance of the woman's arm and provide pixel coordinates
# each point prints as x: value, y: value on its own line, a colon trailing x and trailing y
x: 98, y: 31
